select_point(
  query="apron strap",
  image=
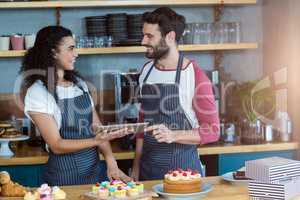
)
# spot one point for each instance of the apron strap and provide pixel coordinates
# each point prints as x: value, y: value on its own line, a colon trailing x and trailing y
x: 148, y: 73
x: 178, y: 69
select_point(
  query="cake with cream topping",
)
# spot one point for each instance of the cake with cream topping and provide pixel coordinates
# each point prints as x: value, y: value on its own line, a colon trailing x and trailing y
x: 182, y: 181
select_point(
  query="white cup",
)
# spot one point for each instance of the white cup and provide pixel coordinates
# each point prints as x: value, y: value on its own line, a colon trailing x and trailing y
x: 29, y: 41
x: 4, y: 43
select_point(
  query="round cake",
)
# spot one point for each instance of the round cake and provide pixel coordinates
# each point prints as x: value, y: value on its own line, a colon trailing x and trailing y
x: 182, y: 181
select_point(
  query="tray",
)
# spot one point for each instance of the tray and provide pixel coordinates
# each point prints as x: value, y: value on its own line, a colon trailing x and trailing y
x: 146, y: 195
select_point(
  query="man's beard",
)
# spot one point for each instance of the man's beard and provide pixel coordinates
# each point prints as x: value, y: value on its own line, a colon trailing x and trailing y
x: 158, y: 51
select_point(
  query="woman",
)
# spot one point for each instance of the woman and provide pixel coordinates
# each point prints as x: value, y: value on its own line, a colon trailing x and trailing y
x: 58, y: 102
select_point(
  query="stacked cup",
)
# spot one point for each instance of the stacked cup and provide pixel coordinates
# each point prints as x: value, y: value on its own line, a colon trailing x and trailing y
x: 4, y: 43
x: 16, y: 42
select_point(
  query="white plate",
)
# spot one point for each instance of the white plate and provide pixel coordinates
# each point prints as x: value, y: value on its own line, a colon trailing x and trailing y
x: 18, y: 138
x: 206, y: 187
x: 229, y: 177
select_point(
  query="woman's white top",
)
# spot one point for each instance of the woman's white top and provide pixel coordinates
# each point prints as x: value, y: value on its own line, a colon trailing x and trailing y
x: 38, y: 99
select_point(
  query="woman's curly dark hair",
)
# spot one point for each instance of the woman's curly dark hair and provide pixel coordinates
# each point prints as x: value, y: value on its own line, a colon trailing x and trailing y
x: 39, y: 62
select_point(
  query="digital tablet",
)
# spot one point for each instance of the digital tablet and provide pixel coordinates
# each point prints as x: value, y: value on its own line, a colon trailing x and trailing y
x: 133, y: 127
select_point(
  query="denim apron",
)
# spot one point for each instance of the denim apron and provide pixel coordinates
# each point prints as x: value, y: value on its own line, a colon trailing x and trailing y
x: 81, y: 167
x: 161, y: 105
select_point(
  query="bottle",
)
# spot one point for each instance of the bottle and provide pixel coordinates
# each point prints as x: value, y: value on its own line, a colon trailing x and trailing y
x: 283, y: 126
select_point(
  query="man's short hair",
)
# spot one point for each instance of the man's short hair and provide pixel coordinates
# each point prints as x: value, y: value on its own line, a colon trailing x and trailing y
x: 167, y: 20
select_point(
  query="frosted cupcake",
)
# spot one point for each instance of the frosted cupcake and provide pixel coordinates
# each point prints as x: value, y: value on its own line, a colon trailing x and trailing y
x: 132, y: 192
x: 140, y: 187
x: 103, y: 193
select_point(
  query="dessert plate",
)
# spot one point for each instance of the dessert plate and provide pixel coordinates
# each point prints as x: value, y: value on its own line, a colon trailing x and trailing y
x: 229, y: 177
x: 206, y: 187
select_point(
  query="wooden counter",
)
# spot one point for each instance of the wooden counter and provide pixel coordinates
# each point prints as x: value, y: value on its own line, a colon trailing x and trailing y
x: 26, y: 155
x: 221, y: 190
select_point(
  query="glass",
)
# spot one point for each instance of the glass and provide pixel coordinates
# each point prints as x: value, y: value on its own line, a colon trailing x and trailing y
x: 109, y: 41
x: 93, y: 42
x: 197, y: 33
x: 80, y: 42
x: 188, y: 35
x: 252, y: 132
x: 220, y: 32
x: 206, y: 33
x: 234, y: 32
x: 99, y: 42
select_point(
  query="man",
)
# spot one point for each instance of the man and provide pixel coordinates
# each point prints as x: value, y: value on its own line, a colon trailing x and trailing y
x: 176, y: 98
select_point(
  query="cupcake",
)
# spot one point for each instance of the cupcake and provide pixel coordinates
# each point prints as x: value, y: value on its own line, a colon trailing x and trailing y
x: 140, y: 187
x: 95, y: 188
x: 103, y: 193
x: 112, y: 190
x: 120, y: 193
x: 104, y: 184
x: 30, y: 196
x: 130, y: 184
x: 58, y: 194
x: 45, y: 192
x: 132, y: 192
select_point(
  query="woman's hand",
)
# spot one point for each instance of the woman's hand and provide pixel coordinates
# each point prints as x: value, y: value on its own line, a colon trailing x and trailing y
x: 110, y: 135
x: 135, y: 173
x: 114, y: 173
x: 162, y: 134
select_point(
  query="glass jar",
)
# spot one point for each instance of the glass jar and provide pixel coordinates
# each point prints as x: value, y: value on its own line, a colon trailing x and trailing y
x: 252, y: 132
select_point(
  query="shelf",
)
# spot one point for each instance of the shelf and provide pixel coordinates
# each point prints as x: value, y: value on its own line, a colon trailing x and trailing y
x: 140, y: 49
x: 27, y: 155
x: 119, y: 3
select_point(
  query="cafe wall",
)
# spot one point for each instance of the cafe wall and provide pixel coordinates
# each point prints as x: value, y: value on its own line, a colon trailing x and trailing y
x: 242, y: 65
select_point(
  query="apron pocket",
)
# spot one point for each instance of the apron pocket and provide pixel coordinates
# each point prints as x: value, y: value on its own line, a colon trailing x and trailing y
x: 86, y: 161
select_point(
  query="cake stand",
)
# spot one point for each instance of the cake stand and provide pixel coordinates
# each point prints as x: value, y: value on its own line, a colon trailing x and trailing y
x: 5, y: 151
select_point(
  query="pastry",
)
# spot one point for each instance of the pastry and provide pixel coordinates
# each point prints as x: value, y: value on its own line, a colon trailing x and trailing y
x: 132, y: 192
x: 12, y: 189
x: 182, y: 182
x: 120, y: 192
x: 45, y: 192
x: 58, y: 194
x: 11, y: 133
x: 31, y: 196
x: 9, y: 188
x: 2, y: 130
x: 117, y: 189
x: 140, y: 187
x: 240, y: 174
x: 103, y: 193
x: 4, y: 177
x: 5, y: 125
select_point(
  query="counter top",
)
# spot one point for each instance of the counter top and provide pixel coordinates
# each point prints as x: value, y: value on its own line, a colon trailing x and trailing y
x: 221, y: 190
x: 27, y: 155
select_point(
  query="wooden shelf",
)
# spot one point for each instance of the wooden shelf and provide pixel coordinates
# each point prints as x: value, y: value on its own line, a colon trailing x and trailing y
x: 140, y: 49
x: 27, y: 155
x: 118, y: 3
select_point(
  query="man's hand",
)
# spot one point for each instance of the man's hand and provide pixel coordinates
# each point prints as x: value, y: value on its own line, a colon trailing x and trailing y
x: 162, y: 134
